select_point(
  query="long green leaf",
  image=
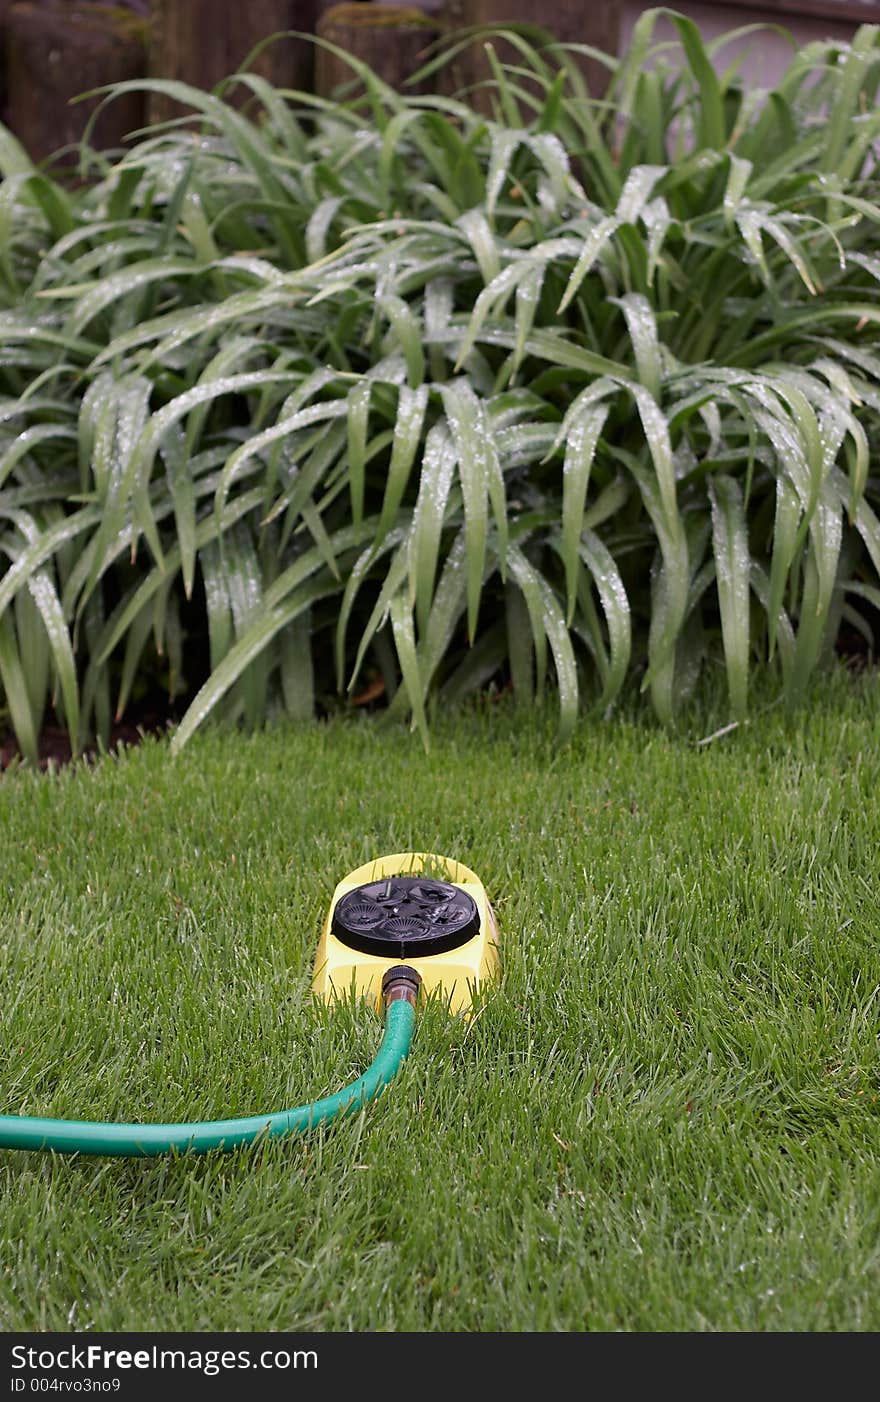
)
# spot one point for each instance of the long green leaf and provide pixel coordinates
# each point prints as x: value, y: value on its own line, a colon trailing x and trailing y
x: 732, y: 568
x: 405, y: 643
x: 580, y: 448
x: 16, y: 692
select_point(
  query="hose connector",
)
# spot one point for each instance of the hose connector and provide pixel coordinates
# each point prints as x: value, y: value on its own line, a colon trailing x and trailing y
x: 401, y: 983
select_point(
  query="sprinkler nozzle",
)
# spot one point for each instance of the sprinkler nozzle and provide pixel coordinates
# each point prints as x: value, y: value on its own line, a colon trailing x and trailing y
x: 401, y: 982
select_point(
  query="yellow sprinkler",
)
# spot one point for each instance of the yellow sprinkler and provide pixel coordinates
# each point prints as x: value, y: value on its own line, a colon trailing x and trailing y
x: 395, y: 924
x: 428, y: 912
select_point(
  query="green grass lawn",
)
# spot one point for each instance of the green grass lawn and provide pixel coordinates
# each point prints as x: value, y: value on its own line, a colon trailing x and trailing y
x: 665, y: 1118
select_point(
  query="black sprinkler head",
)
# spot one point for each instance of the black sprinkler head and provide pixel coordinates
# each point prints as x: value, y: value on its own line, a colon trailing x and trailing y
x: 407, y: 916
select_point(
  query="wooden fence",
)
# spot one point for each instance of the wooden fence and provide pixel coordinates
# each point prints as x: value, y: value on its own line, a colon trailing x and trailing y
x: 53, y: 50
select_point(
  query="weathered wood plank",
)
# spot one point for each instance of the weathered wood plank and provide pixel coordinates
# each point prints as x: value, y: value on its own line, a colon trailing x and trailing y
x: 56, y: 51
x: 203, y: 41
x: 390, y: 38
x: 572, y: 21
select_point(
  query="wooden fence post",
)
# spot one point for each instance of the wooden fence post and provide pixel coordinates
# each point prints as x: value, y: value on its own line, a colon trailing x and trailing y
x: 571, y: 21
x: 4, y: 84
x: 390, y: 38
x: 202, y: 41
x: 56, y: 51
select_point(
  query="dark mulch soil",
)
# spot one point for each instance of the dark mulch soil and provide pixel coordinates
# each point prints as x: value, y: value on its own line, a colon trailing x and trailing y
x: 157, y: 715
x: 55, y: 744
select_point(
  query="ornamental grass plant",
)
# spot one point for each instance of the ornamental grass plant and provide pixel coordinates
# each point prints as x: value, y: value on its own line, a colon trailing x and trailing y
x: 579, y: 395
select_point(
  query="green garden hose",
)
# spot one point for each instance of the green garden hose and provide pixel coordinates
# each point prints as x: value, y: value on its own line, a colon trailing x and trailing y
x: 400, y: 987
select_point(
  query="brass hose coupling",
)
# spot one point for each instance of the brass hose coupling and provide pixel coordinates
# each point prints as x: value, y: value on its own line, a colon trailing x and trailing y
x: 401, y: 982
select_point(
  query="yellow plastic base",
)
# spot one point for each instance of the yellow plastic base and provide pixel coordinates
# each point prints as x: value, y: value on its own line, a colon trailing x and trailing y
x: 456, y: 975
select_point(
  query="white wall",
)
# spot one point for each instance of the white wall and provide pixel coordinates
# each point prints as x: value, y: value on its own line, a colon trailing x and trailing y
x: 767, y: 53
